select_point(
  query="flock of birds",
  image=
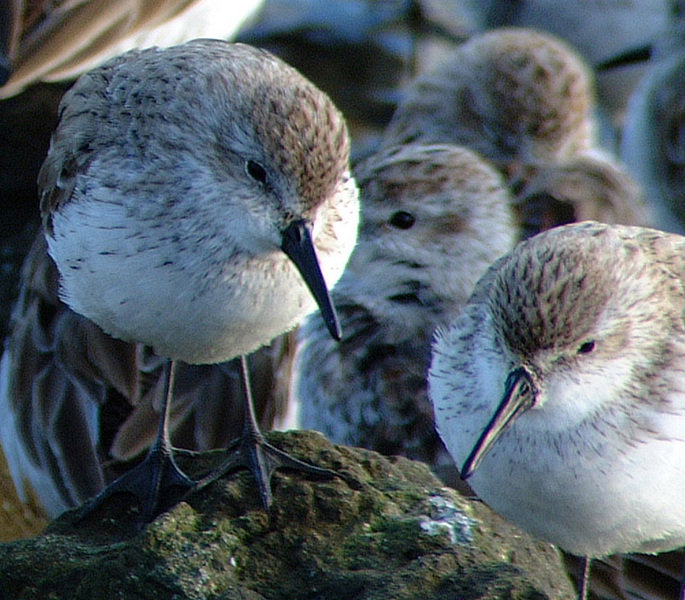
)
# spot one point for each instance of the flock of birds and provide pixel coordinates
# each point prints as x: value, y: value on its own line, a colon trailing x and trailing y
x: 490, y: 146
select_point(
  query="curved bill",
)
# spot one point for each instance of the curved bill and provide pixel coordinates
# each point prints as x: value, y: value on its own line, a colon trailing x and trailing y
x: 298, y: 246
x: 519, y: 396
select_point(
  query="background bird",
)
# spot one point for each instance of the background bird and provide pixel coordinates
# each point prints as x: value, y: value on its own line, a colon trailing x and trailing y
x: 58, y: 41
x: 433, y: 218
x: 652, y: 145
x: 588, y: 187
x: 513, y: 95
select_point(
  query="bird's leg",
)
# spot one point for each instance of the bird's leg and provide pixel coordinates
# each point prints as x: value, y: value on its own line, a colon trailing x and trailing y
x: 157, y: 482
x: 251, y: 451
x: 585, y: 579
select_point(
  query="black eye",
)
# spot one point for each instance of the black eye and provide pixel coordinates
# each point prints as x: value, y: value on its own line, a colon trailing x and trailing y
x: 586, y: 347
x: 256, y: 171
x: 402, y: 220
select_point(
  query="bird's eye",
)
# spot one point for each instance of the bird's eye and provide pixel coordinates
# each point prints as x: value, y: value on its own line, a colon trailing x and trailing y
x: 586, y: 347
x: 256, y: 171
x: 402, y: 220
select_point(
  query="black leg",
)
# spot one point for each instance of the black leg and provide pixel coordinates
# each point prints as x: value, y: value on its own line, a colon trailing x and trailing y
x: 251, y: 451
x: 157, y: 482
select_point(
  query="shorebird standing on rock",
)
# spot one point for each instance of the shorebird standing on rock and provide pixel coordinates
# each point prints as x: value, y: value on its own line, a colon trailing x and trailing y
x: 197, y: 200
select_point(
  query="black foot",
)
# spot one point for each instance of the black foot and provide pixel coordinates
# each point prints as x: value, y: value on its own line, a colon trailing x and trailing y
x: 253, y: 452
x: 157, y: 482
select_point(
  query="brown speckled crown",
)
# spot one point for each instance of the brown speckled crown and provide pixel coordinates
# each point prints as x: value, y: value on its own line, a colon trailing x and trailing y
x: 304, y: 133
x: 540, y: 88
x: 297, y: 124
x: 509, y: 93
x: 429, y: 175
x: 539, y: 276
x: 299, y: 129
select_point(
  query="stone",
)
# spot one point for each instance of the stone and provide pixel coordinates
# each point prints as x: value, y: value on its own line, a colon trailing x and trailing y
x: 385, y: 529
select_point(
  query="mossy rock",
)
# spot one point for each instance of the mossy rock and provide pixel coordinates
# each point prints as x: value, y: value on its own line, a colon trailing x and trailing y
x: 386, y: 529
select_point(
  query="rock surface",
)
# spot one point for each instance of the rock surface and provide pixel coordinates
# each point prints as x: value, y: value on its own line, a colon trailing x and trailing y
x: 386, y: 529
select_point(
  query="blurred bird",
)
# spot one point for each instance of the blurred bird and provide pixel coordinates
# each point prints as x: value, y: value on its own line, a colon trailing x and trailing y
x: 653, y: 142
x: 513, y: 95
x: 56, y: 41
x: 598, y: 30
x: 587, y: 187
x: 433, y: 219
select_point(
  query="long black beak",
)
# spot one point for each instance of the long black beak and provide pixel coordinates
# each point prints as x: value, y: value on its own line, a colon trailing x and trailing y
x: 297, y: 244
x: 519, y: 396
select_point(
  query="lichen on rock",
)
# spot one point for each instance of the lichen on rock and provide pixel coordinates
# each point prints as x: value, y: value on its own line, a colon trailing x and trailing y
x: 385, y: 529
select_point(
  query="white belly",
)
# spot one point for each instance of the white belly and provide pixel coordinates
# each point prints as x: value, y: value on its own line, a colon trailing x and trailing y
x: 189, y: 305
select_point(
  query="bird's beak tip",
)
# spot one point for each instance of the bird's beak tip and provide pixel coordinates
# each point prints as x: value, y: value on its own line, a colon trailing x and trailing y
x: 299, y: 247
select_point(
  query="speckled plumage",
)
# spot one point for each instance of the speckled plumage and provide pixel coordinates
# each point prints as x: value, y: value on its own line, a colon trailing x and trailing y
x: 171, y: 185
x: 585, y: 323
x: 433, y: 218
x: 79, y: 407
x: 146, y: 121
x: 512, y: 94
